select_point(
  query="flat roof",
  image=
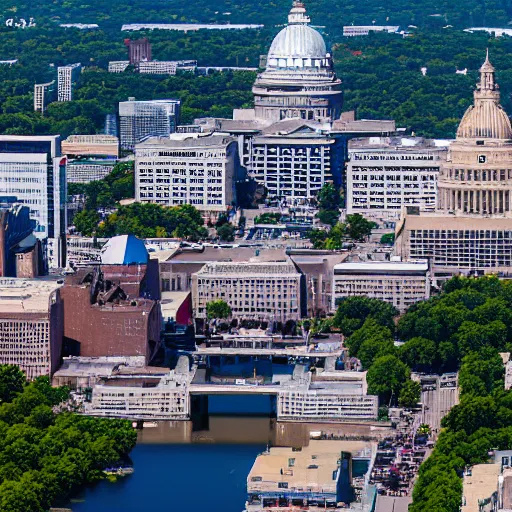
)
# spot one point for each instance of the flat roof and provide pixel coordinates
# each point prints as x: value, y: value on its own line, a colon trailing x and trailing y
x: 171, y: 302
x: 480, y: 485
x: 444, y: 221
x: 388, y: 267
x: 26, y: 295
x: 312, y: 467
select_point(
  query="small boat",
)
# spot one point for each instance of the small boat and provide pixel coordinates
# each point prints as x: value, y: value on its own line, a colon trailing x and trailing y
x: 121, y: 471
x: 150, y: 424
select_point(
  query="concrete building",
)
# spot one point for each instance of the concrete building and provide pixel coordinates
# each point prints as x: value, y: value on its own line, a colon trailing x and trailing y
x: 85, y: 171
x: 400, y: 284
x: 82, y: 249
x: 158, y: 67
x: 91, y: 145
x: 198, y: 171
x: 383, y: 179
x: 66, y: 79
x: 265, y: 291
x: 138, y: 50
x: 143, y: 393
x: 33, y: 171
x: 31, y: 319
x: 364, y: 30
x: 293, y: 159
x: 471, y: 231
x: 299, y: 80
x: 141, y: 119
x: 118, y: 66
x: 315, y: 477
x: 21, y: 253
x: 44, y: 94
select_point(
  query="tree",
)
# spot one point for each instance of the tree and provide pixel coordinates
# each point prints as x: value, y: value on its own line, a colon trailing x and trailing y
x: 226, y: 232
x: 329, y: 198
x: 386, y: 377
x: 357, y: 227
x: 12, y: 381
x: 352, y: 312
x: 218, y: 309
x: 371, y: 331
x: 481, y: 372
x: 387, y: 239
x: 329, y: 217
x: 410, y: 394
x: 86, y: 222
x: 419, y: 353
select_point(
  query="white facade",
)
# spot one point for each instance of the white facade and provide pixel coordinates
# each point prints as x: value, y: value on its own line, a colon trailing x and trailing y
x: 66, y: 76
x: 291, y: 168
x: 118, y: 66
x: 310, y: 405
x: 142, y: 397
x: 141, y: 119
x: 196, y: 171
x: 400, y: 284
x: 43, y: 95
x: 37, y: 179
x: 157, y: 67
x: 85, y: 171
x: 383, y: 181
x: 364, y: 30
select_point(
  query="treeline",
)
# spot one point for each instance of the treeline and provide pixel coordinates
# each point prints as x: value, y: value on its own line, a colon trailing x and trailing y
x: 45, y: 457
x: 466, y: 327
x: 326, y: 12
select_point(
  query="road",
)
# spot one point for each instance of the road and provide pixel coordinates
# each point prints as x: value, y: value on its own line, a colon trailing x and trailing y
x: 437, y: 403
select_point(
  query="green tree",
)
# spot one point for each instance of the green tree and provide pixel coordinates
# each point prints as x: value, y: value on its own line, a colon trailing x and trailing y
x: 226, y: 232
x: 410, y: 394
x: 387, y: 239
x: 357, y: 227
x: 218, y: 309
x: 86, y: 222
x: 419, y: 354
x: 352, y: 312
x: 481, y: 372
x: 386, y: 377
x: 12, y: 381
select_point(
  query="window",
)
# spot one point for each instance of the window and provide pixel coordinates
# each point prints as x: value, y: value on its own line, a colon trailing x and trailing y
x: 291, y: 462
x: 282, y: 485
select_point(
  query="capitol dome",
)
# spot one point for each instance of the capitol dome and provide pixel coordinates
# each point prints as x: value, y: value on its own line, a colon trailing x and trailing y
x: 298, y: 41
x: 486, y: 117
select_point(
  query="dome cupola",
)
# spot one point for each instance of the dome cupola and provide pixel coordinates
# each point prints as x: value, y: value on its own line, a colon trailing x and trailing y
x: 486, y: 117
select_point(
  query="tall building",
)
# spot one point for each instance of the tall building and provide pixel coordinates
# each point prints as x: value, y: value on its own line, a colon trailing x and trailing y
x: 293, y: 159
x: 44, y: 94
x: 20, y: 251
x: 141, y: 119
x: 199, y: 171
x: 33, y: 171
x: 472, y: 227
x: 299, y: 80
x: 31, y: 319
x: 66, y: 79
x: 382, y: 179
x: 138, y: 50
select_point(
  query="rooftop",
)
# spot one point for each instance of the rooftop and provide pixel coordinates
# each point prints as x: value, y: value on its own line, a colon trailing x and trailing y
x: 384, y: 267
x: 482, y: 482
x: 26, y: 295
x: 188, y: 142
x: 309, y: 469
x: 251, y: 268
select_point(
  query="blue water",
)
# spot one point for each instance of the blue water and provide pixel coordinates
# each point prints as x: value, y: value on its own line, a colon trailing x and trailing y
x: 173, y: 477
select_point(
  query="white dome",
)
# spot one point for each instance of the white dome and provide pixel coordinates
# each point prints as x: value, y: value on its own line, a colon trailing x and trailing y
x: 298, y: 41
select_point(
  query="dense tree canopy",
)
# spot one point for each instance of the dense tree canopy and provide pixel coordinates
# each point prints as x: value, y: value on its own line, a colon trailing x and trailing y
x: 44, y: 456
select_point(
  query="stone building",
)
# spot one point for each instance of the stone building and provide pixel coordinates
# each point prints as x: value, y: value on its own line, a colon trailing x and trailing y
x: 402, y: 284
x: 383, y: 178
x: 198, y: 171
x: 263, y: 291
x: 299, y: 80
x: 471, y: 231
x: 31, y: 321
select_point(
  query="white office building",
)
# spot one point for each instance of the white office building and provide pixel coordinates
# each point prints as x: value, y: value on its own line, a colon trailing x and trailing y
x: 383, y: 180
x: 141, y: 119
x: 399, y: 283
x: 32, y: 172
x: 158, y: 67
x: 198, y: 171
x: 43, y: 95
x: 118, y: 66
x: 66, y: 78
x: 364, y: 30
